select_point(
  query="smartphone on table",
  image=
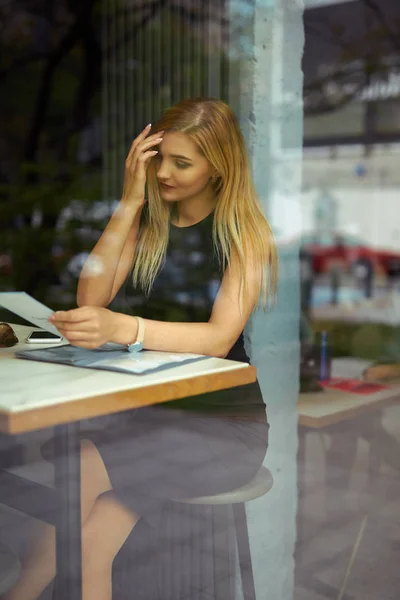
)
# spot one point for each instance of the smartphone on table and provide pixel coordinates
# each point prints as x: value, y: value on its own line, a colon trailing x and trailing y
x: 43, y: 337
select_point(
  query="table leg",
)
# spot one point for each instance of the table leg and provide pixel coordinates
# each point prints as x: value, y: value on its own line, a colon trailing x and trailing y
x: 301, y: 490
x: 68, y: 582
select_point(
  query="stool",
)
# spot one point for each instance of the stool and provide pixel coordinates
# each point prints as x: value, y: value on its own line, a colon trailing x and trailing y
x: 257, y: 487
x: 9, y: 569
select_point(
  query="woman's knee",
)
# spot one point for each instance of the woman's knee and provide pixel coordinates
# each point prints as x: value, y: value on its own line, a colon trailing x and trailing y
x: 93, y: 467
x: 89, y: 451
x: 94, y: 477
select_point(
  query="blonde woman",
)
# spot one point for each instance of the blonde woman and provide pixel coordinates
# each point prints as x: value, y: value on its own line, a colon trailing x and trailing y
x: 194, y: 261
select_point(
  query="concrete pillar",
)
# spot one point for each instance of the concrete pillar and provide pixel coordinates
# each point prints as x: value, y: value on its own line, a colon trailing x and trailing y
x: 270, y: 108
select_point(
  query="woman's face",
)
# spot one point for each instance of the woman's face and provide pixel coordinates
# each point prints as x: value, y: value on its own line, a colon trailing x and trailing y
x: 182, y: 171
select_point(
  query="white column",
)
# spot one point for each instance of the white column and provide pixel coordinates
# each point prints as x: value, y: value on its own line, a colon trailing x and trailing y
x: 271, y: 116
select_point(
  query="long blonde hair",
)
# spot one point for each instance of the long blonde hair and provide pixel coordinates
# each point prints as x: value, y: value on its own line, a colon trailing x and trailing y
x: 240, y: 228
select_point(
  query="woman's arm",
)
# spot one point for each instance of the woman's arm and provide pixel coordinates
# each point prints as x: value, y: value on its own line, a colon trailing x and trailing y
x: 198, y: 338
x: 110, y: 260
x: 226, y: 323
x: 91, y: 327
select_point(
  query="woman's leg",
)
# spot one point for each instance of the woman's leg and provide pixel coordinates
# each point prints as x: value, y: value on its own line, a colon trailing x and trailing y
x: 39, y: 565
x: 104, y: 533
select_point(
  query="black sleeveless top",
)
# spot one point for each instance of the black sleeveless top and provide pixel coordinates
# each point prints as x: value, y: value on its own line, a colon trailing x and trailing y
x: 187, y: 284
x: 184, y: 290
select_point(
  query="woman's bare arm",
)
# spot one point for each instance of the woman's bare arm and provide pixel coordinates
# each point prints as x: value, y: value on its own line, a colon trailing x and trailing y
x: 226, y: 323
x: 214, y: 338
x: 110, y: 260
x: 91, y: 326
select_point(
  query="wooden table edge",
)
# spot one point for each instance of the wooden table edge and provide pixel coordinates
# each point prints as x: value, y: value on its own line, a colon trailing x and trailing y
x: 346, y: 414
x: 123, y: 400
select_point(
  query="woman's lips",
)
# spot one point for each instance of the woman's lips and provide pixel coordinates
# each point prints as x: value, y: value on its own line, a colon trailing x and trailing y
x: 167, y: 187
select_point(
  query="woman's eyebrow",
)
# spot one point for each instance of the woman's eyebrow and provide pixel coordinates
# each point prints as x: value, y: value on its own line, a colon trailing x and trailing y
x: 181, y: 156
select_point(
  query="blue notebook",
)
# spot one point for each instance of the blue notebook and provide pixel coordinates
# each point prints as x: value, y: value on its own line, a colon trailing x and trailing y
x: 111, y: 357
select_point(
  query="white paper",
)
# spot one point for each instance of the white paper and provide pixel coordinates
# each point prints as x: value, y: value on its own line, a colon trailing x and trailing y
x: 23, y: 305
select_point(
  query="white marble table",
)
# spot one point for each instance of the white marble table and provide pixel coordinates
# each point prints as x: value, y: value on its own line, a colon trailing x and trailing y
x: 37, y: 395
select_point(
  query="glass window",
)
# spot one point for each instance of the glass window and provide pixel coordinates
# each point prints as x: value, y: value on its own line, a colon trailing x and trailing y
x: 388, y: 115
x: 348, y: 120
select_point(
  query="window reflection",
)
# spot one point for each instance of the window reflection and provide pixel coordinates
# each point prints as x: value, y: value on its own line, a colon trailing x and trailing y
x: 350, y: 295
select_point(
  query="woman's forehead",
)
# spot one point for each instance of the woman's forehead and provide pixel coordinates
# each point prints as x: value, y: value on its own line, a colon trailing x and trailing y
x: 178, y: 143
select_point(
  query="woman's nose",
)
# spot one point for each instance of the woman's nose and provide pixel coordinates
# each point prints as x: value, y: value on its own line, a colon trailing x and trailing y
x: 163, y: 172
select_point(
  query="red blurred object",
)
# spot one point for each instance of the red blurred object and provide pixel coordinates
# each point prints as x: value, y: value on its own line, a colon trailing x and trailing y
x: 348, y: 253
x: 355, y: 386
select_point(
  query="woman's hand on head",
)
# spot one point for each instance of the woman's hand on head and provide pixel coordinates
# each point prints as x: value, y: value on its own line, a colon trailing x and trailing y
x: 87, y: 326
x: 137, y: 161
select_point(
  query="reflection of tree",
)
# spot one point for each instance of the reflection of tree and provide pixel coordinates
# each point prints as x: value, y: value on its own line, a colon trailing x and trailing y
x: 179, y: 51
x: 82, y: 32
x: 361, y: 58
x: 51, y: 50
x: 392, y: 35
x: 68, y: 30
x: 50, y: 65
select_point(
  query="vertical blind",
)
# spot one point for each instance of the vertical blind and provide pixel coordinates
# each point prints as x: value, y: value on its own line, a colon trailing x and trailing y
x: 155, y: 53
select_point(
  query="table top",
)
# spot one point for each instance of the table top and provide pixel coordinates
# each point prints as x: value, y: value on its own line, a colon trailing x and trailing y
x: 36, y: 395
x: 320, y: 409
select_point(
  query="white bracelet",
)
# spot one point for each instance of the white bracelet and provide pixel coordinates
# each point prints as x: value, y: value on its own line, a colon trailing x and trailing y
x: 137, y: 346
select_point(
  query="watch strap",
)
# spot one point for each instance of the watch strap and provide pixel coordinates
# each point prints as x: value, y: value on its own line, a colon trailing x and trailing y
x: 138, y: 344
x: 140, y: 333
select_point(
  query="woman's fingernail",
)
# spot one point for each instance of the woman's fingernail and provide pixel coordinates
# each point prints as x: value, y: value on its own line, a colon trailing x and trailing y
x: 148, y: 126
x: 159, y: 139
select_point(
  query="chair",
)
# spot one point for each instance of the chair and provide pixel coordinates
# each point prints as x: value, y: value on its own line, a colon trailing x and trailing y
x: 9, y: 569
x: 257, y: 487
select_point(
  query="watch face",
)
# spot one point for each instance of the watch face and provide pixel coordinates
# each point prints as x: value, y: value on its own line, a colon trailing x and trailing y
x: 136, y: 347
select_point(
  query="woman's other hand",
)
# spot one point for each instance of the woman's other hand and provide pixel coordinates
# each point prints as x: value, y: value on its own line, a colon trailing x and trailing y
x: 89, y: 326
x: 136, y: 165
